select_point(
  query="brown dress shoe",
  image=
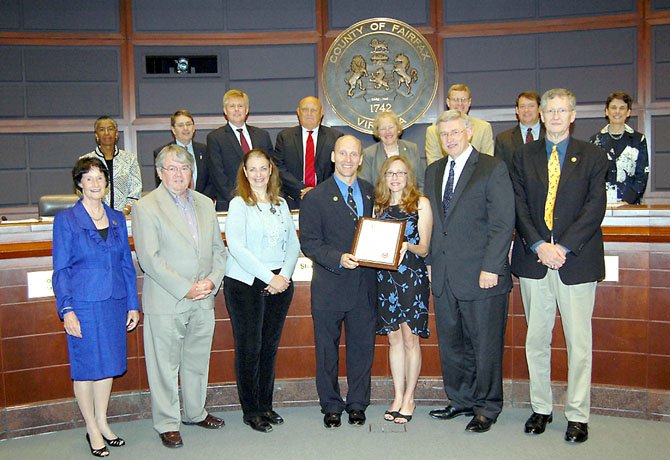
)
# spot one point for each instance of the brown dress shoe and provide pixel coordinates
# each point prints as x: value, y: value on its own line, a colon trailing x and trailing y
x: 210, y: 422
x: 171, y: 439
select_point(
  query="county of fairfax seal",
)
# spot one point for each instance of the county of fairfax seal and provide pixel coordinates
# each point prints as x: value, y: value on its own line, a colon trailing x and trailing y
x: 378, y: 65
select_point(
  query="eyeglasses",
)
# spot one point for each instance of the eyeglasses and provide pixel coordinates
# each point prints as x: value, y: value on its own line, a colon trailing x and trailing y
x: 184, y: 169
x: 553, y: 112
x: 454, y: 133
x: 395, y: 173
x: 188, y: 124
x: 459, y: 99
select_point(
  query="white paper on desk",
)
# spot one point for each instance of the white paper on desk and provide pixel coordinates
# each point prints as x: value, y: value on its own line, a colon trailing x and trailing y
x: 612, y: 268
x: 39, y: 284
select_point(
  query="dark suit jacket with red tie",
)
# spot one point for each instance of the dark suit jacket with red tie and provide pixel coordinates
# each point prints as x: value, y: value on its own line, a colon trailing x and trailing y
x: 578, y: 211
x: 289, y: 157
x: 224, y: 156
x: 203, y: 184
x: 509, y: 142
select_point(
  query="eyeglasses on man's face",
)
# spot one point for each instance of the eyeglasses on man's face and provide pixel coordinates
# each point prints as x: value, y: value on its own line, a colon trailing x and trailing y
x: 184, y: 169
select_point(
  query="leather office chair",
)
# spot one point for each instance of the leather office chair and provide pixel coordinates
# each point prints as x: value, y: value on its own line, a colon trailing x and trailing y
x: 49, y: 205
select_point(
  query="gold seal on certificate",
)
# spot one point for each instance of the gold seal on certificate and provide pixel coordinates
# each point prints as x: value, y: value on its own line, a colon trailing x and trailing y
x: 377, y: 243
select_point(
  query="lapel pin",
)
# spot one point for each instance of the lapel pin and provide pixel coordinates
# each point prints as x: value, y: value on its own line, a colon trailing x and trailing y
x: 113, y: 222
x: 334, y: 198
x: 573, y: 159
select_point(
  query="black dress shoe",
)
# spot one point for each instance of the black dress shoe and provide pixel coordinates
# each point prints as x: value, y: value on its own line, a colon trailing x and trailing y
x: 480, y: 424
x: 273, y: 417
x: 537, y: 423
x: 577, y: 432
x: 450, y: 412
x: 332, y: 420
x: 258, y: 423
x: 171, y: 439
x: 357, y: 417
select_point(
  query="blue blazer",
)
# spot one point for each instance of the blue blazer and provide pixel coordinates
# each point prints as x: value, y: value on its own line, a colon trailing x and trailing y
x: 88, y: 268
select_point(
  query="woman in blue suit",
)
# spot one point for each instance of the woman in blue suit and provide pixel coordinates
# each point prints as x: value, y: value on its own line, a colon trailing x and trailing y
x: 264, y: 249
x: 94, y: 281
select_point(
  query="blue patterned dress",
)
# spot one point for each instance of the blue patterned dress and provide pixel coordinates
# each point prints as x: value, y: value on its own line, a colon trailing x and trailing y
x: 402, y: 296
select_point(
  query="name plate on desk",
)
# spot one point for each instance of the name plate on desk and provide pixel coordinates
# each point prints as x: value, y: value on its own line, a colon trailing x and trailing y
x: 303, y: 270
x: 39, y: 284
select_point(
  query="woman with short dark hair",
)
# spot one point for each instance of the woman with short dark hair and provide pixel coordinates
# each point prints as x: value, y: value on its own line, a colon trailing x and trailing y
x: 95, y: 283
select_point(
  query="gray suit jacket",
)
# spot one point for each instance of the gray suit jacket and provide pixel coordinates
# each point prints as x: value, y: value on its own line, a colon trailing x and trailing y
x: 168, y: 256
x: 476, y: 233
x: 374, y: 156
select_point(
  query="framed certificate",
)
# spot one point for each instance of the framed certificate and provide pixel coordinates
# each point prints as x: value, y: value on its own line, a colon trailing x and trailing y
x: 377, y: 243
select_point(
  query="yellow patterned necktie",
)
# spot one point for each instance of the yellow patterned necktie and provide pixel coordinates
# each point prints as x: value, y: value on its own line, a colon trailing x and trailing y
x: 554, y: 174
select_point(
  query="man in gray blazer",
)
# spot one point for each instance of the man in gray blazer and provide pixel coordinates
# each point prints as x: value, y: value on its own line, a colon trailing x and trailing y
x: 293, y: 147
x: 180, y: 250
x: 528, y: 130
x: 473, y: 203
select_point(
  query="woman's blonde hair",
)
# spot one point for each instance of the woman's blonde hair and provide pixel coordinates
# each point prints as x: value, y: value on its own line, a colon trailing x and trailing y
x: 243, y: 188
x: 409, y: 200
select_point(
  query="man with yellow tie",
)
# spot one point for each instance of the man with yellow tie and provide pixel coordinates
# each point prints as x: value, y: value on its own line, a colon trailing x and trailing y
x: 559, y: 186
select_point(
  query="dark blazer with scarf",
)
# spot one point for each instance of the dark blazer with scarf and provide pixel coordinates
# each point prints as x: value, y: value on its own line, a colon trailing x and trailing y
x: 578, y: 211
x: 224, y: 156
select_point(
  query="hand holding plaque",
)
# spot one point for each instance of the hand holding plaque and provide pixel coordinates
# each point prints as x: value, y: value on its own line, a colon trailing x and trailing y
x: 377, y: 243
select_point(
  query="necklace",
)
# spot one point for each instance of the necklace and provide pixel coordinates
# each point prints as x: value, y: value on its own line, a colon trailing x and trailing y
x: 273, y: 210
x: 616, y: 137
x: 102, y: 215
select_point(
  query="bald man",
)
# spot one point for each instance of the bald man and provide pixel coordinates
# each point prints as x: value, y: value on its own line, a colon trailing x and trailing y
x: 302, y: 153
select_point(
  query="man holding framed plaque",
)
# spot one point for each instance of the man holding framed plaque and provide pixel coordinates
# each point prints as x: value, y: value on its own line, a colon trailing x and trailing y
x: 473, y: 203
x: 342, y: 291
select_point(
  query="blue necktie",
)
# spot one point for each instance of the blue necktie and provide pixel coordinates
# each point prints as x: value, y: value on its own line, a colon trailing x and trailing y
x: 351, y: 202
x: 449, y: 189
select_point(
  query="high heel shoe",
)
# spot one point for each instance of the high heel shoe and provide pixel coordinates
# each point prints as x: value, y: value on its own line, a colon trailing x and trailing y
x: 116, y: 442
x: 102, y: 452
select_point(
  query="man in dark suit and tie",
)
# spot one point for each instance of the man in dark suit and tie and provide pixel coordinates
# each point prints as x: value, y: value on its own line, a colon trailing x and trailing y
x: 472, y: 198
x: 227, y: 145
x: 558, y: 255
x: 302, y: 153
x: 183, y: 131
x: 342, y: 291
x: 528, y: 130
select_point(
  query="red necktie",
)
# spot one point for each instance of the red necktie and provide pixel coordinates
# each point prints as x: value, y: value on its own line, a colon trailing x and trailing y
x: 529, y: 135
x: 243, y: 142
x: 310, y: 173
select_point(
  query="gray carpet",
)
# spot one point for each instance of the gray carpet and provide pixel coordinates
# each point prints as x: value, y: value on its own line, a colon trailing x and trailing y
x: 304, y: 437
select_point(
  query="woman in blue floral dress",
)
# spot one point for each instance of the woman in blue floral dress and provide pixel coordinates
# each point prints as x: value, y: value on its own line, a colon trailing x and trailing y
x: 403, y: 295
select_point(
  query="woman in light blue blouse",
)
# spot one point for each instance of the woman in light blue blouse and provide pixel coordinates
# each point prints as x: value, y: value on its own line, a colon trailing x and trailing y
x: 264, y: 249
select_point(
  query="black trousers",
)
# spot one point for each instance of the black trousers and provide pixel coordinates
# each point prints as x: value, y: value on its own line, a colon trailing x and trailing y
x: 360, y: 324
x: 257, y: 323
x: 471, y: 340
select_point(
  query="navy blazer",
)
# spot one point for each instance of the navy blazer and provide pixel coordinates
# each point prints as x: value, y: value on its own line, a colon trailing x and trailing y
x: 203, y: 184
x: 88, y: 268
x: 290, y: 161
x: 578, y: 212
x: 327, y: 229
x: 476, y: 233
x: 224, y: 156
